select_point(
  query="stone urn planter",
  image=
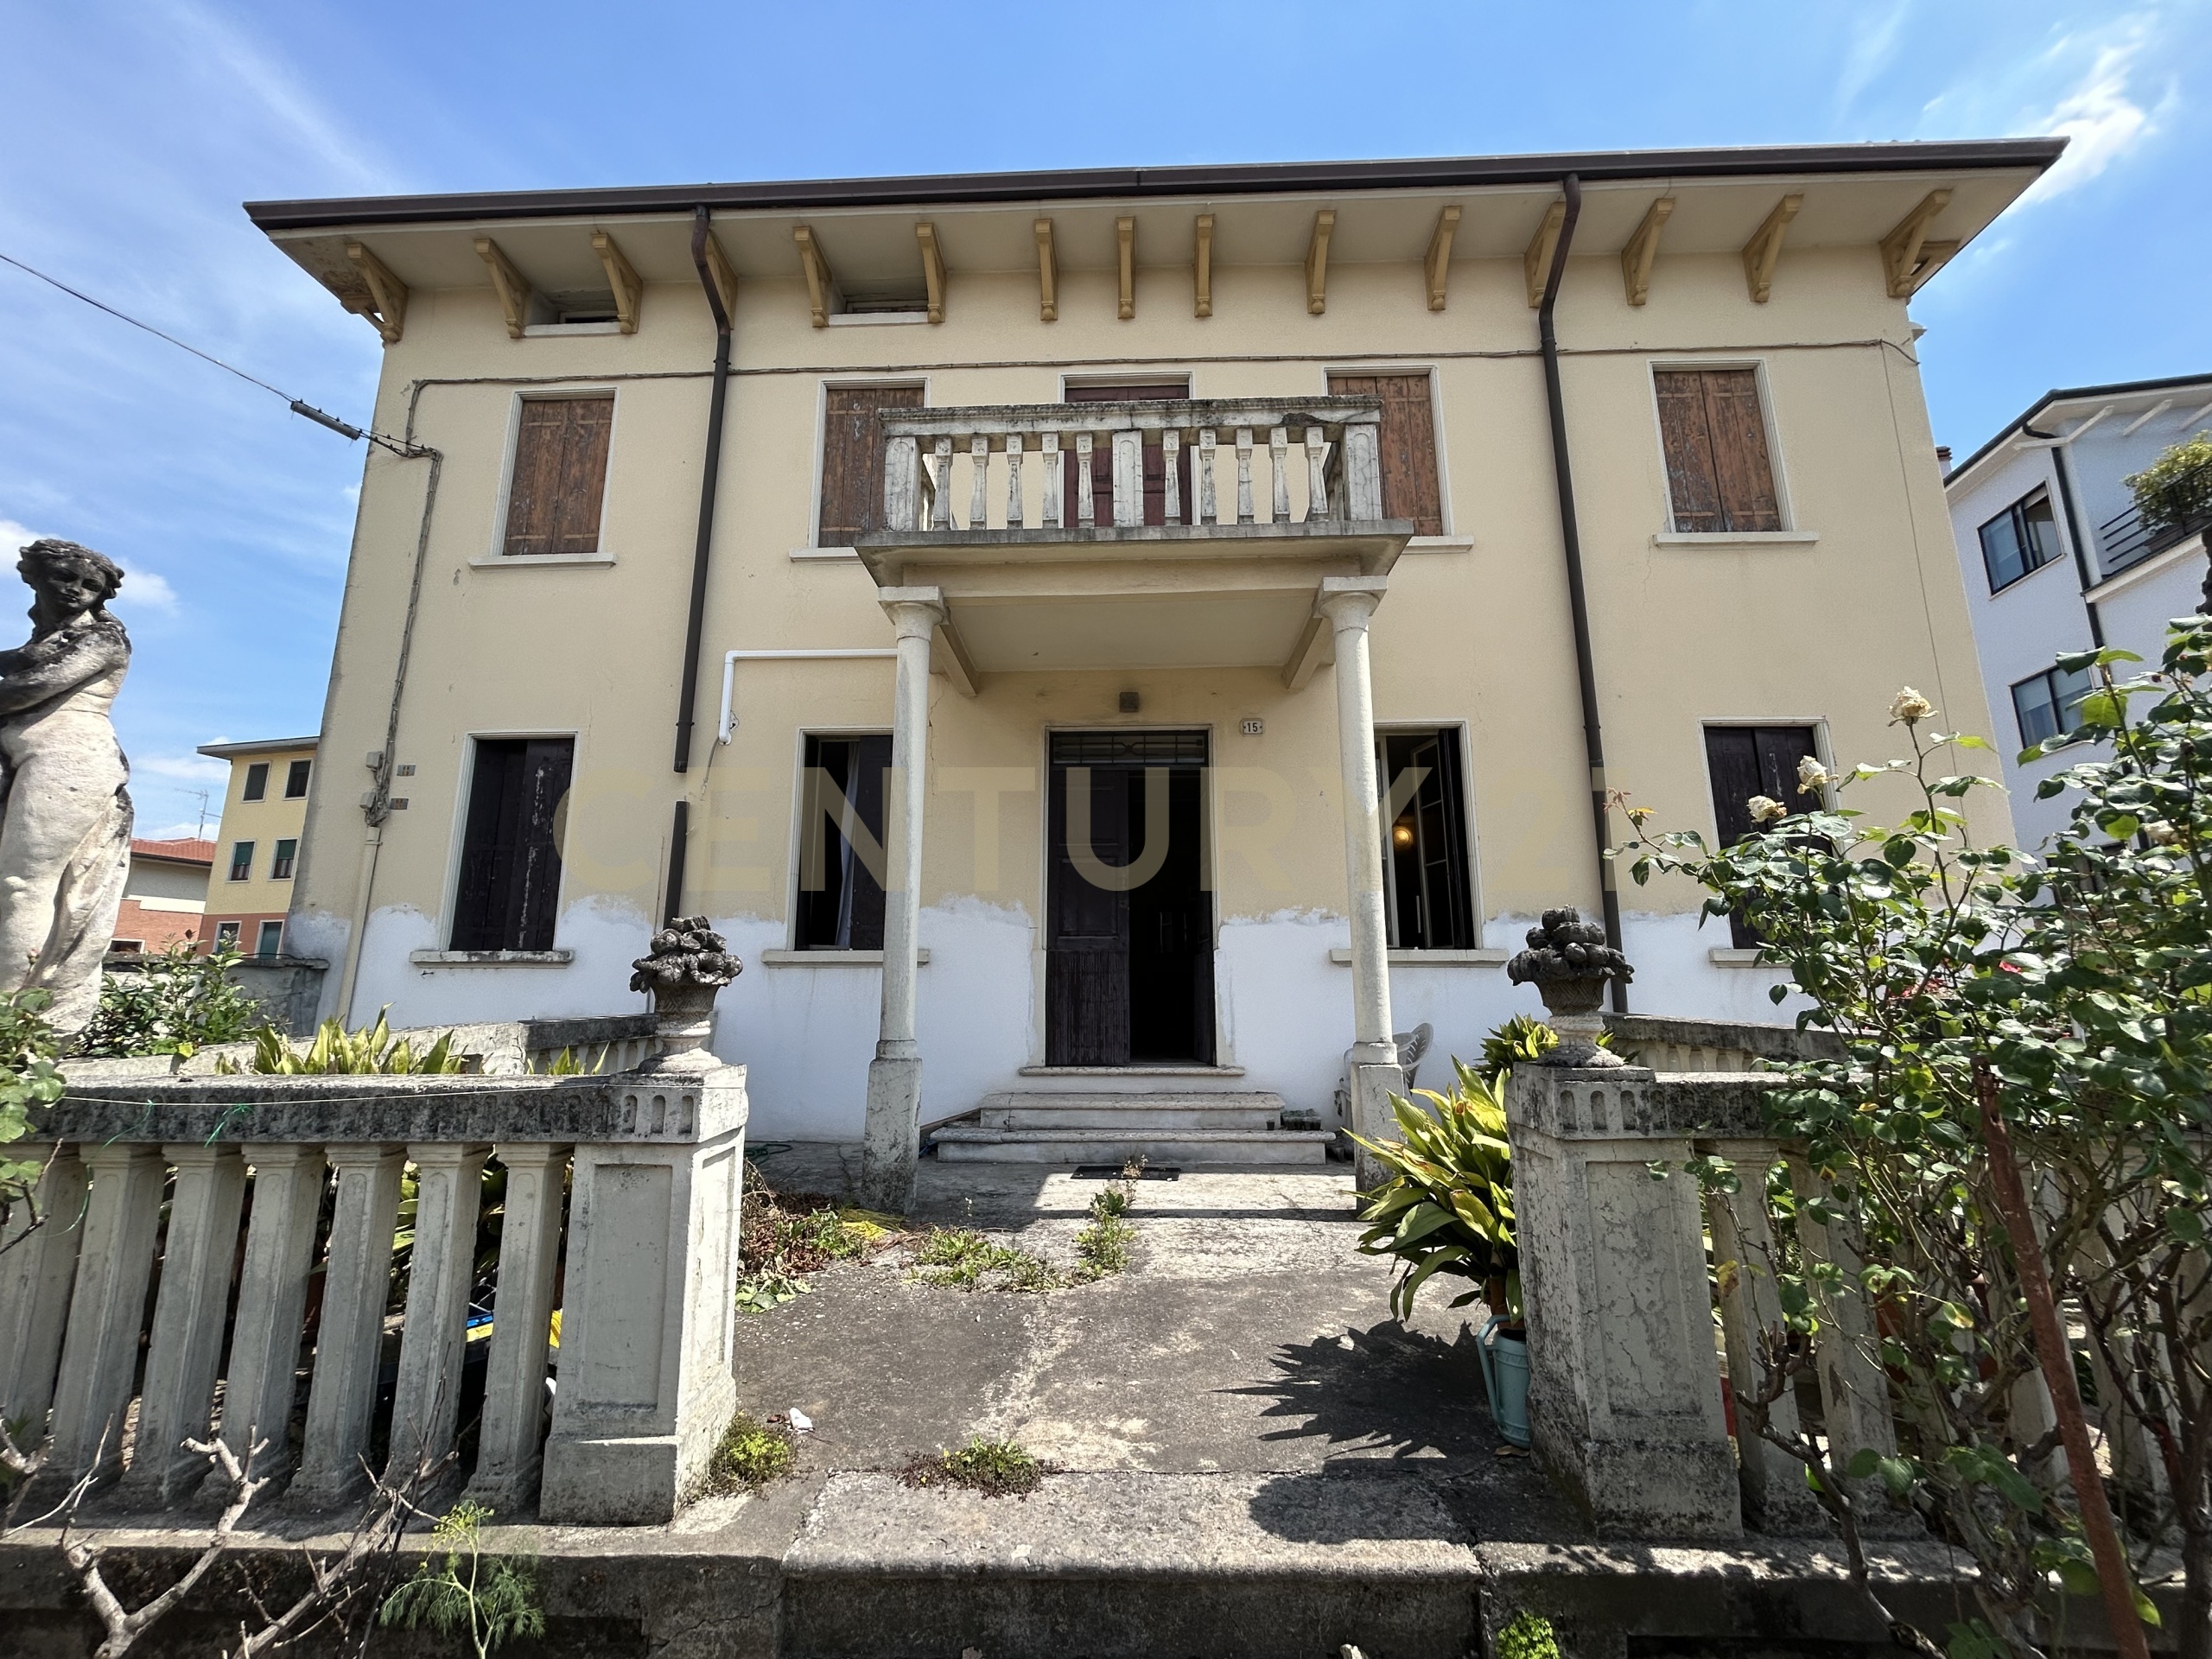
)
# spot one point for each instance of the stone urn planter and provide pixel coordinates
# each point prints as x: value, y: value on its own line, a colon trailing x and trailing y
x: 1568, y: 962
x: 684, y: 970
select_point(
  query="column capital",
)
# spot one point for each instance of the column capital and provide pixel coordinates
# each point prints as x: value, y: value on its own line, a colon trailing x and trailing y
x: 1348, y: 601
x: 917, y: 613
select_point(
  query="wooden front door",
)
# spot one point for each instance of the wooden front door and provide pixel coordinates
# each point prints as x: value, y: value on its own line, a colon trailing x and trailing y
x: 1128, y: 921
x: 1101, y: 457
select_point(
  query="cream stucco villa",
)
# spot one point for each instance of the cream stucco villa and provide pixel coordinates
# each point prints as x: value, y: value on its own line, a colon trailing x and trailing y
x: 994, y: 600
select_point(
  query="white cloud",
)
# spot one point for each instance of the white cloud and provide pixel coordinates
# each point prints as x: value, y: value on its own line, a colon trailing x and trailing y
x: 186, y: 830
x: 14, y: 537
x: 1873, y: 43
x: 186, y: 768
x: 150, y: 589
x: 2099, y: 117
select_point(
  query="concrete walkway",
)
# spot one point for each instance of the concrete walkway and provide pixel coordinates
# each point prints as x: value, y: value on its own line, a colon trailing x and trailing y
x: 1254, y: 1461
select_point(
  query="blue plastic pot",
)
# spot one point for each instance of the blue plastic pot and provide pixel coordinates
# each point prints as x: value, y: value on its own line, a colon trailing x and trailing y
x: 1505, y: 1375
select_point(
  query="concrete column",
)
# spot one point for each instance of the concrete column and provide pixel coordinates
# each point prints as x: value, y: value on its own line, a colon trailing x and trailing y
x: 343, y: 1395
x: 99, y: 1355
x: 1624, y: 1386
x: 178, y: 1396
x: 272, y: 1300
x: 1349, y: 602
x: 507, y: 1446
x: 1854, y: 1390
x: 649, y: 1315
x: 892, y: 1136
x: 37, y: 1271
x: 426, y: 1402
x: 1775, y: 1498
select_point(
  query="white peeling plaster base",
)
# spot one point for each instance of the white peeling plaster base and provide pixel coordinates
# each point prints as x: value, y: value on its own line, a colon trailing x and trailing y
x: 807, y: 1034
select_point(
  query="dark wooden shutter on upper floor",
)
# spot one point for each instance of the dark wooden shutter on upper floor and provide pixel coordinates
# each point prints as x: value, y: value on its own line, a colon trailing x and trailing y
x: 1409, y: 445
x: 1720, y: 476
x: 852, y: 459
x: 559, y: 484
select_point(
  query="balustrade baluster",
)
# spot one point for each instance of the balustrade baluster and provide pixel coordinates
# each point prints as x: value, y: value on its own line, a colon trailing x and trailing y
x: 1244, y: 474
x: 1209, y: 511
x: 1279, y: 463
x: 1128, y: 479
x: 342, y: 1398
x: 426, y: 1395
x: 1014, y: 514
x: 1317, y: 479
x: 1086, y: 516
x: 1056, y: 506
x: 1171, y: 450
x: 507, y: 1457
x: 36, y: 1273
x: 902, y: 465
x: 1362, y: 471
x: 187, y: 1344
x: 941, y: 501
x: 288, y: 1183
x: 100, y: 1356
x: 979, y: 481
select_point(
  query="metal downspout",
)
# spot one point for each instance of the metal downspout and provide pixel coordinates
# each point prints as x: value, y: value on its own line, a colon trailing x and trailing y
x: 2074, y: 536
x: 695, y: 622
x: 1585, y: 670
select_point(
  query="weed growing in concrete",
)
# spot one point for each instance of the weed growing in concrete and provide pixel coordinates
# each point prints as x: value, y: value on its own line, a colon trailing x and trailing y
x: 964, y: 1259
x: 489, y: 1601
x: 995, y: 1468
x: 752, y: 1453
x: 786, y: 1235
x: 1104, y: 1244
x: 1528, y: 1637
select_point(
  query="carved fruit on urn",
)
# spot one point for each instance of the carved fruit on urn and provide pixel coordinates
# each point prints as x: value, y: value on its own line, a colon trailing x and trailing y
x: 1568, y: 962
x: 685, y: 969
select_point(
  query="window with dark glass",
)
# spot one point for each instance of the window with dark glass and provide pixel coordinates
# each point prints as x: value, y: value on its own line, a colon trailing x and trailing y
x: 2023, y: 538
x: 840, y: 868
x: 280, y: 863
x: 509, y: 881
x: 296, y: 779
x: 1746, y: 760
x: 1427, y: 892
x: 241, y: 859
x: 2045, y: 704
x: 271, y: 942
x: 227, y: 935
x: 257, y: 782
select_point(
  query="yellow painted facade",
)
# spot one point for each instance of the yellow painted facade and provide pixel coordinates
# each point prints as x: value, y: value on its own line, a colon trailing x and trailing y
x: 253, y: 835
x: 1818, y: 627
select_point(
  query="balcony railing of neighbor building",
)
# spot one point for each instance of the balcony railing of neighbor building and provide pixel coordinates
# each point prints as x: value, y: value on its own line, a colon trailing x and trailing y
x: 2178, y: 508
x: 1170, y: 470
x: 617, y: 1263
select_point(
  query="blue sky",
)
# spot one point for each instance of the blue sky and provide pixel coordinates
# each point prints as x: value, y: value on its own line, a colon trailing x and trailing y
x: 130, y: 132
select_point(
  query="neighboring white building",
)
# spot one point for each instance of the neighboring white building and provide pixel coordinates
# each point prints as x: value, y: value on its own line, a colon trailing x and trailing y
x: 2056, y: 559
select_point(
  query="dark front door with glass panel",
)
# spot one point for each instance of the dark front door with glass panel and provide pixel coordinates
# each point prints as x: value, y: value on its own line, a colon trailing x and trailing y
x: 1129, y: 920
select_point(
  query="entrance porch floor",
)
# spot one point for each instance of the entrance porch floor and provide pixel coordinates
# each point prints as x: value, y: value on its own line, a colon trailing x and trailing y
x: 1253, y: 1460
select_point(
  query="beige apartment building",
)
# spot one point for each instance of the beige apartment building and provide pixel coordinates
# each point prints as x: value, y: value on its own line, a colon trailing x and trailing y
x: 1002, y: 622
x: 258, y: 842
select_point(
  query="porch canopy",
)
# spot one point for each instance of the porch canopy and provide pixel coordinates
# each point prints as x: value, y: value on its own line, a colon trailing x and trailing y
x: 1183, y: 534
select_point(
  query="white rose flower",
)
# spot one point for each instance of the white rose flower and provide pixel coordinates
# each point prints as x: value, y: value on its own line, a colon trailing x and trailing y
x: 1766, y: 810
x: 1910, y: 707
x: 1812, y: 776
x: 2159, y: 833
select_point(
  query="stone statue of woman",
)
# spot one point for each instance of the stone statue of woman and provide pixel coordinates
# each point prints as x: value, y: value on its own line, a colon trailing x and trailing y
x: 65, y: 813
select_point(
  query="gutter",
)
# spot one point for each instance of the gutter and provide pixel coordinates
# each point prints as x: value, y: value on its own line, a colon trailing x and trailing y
x: 1585, y: 668
x: 701, y: 553
x: 1445, y: 172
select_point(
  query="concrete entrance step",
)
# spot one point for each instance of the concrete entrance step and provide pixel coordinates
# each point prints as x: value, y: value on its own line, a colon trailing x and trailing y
x: 963, y: 1144
x: 1131, y: 1113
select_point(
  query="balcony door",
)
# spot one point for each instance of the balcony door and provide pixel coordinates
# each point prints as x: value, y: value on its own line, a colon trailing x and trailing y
x: 1129, y: 920
x: 1102, y: 455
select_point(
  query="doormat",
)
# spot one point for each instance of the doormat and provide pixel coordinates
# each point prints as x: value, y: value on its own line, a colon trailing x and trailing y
x: 1116, y: 1172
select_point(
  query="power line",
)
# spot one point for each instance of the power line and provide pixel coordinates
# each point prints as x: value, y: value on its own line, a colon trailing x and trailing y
x: 343, y: 428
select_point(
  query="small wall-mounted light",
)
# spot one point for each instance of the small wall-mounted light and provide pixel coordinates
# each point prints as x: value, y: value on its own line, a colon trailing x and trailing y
x: 1129, y: 703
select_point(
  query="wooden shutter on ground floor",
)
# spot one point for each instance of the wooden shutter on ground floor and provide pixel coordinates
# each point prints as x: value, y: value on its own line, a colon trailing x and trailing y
x: 1720, y: 476
x: 1746, y: 760
x: 852, y: 459
x: 1409, y: 445
x: 559, y: 482
x: 510, y: 883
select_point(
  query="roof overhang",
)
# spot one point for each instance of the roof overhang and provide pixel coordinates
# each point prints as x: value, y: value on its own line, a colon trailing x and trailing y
x: 258, y: 746
x: 2188, y: 395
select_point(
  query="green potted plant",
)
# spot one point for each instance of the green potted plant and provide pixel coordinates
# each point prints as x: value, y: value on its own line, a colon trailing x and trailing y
x: 1448, y: 1207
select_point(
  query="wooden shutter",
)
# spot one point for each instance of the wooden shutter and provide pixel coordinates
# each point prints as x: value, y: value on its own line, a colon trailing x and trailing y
x: 1720, y: 476
x: 1409, y: 445
x: 559, y: 483
x: 509, y: 881
x: 1155, y: 458
x: 1747, y: 760
x: 852, y: 459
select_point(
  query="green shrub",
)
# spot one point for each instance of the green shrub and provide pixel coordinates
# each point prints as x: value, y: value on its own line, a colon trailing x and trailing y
x: 1523, y: 1038
x: 29, y: 1077
x: 2176, y: 489
x: 1448, y: 1206
x: 964, y: 1259
x: 489, y: 1602
x: 336, y: 1051
x: 178, y: 1003
x: 1528, y: 1637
